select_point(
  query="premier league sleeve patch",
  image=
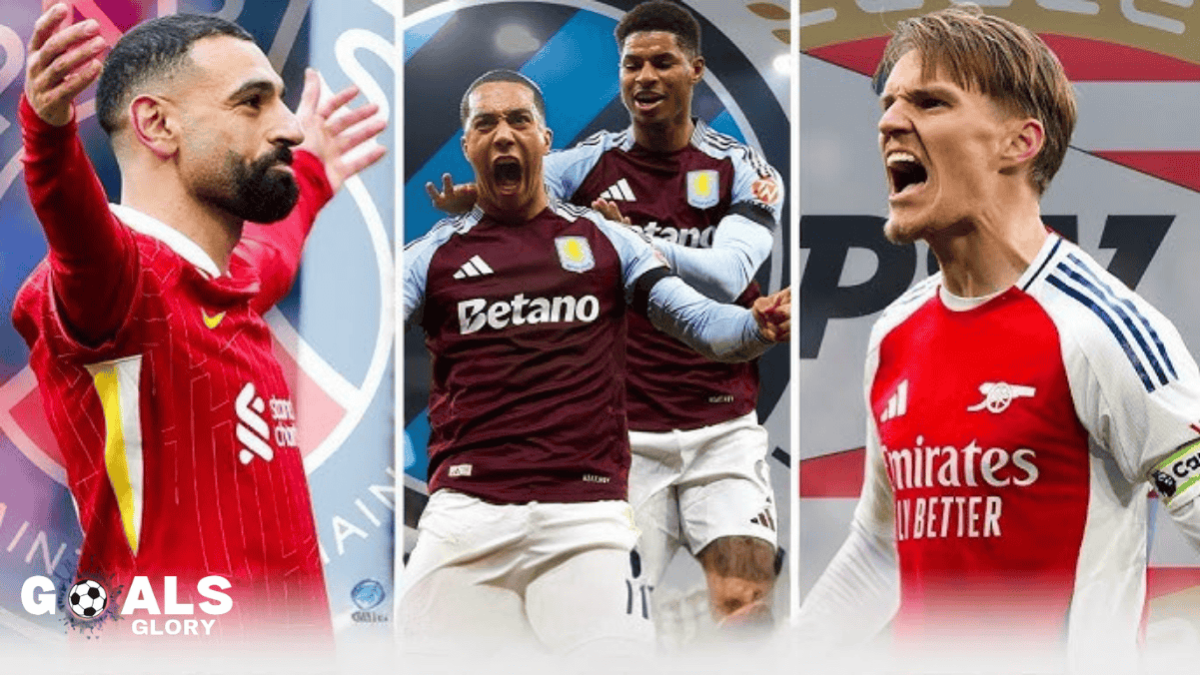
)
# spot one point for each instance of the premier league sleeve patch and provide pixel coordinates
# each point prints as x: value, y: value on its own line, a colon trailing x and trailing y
x: 574, y: 253
x: 703, y: 188
x: 1177, y: 479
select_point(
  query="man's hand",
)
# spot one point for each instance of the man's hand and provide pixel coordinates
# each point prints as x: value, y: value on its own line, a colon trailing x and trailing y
x: 339, y: 138
x: 64, y: 59
x: 453, y: 199
x: 774, y: 315
x: 610, y: 210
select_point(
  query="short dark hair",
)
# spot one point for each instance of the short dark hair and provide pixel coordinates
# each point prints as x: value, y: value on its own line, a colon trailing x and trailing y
x: 664, y: 16
x: 502, y: 75
x: 152, y: 49
x: 999, y: 59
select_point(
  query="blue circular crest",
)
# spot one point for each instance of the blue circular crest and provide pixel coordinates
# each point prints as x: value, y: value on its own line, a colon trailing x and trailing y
x: 368, y: 593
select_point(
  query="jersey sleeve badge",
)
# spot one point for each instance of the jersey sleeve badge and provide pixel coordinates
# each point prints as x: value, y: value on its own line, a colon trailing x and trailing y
x: 574, y: 253
x: 766, y: 190
x: 703, y: 188
x: 1177, y: 479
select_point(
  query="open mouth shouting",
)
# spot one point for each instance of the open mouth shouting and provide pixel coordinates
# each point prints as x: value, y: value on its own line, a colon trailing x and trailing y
x: 906, y: 174
x: 506, y: 174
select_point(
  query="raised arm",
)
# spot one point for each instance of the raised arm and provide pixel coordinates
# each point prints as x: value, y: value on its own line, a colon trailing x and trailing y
x: 92, y: 257
x: 337, y: 145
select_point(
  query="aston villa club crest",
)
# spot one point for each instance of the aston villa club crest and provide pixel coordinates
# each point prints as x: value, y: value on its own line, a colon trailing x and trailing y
x: 703, y: 188
x: 574, y: 253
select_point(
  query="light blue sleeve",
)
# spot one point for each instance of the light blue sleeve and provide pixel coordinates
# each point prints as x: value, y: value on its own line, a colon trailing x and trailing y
x: 564, y: 170
x: 717, y: 331
x: 418, y: 255
x: 722, y: 272
x: 637, y: 255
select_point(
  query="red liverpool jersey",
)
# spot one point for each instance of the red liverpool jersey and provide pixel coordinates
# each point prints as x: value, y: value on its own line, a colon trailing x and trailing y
x: 178, y: 432
x: 1010, y: 446
x: 679, y: 197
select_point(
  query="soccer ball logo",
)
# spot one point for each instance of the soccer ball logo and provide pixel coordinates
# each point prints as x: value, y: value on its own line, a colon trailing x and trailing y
x: 87, y: 599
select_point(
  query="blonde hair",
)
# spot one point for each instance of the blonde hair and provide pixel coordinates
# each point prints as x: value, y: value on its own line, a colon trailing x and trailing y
x: 998, y: 59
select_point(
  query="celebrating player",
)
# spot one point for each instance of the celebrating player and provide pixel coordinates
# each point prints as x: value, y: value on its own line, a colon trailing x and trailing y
x: 145, y: 321
x: 699, y: 475
x: 523, y: 302
x: 1021, y: 402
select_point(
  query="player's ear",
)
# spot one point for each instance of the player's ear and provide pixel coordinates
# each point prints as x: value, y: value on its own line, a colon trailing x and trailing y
x: 549, y: 137
x: 697, y: 69
x: 1025, y: 140
x: 463, y: 143
x: 154, y: 125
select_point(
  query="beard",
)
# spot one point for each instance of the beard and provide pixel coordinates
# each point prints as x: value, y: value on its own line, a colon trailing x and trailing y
x: 257, y: 191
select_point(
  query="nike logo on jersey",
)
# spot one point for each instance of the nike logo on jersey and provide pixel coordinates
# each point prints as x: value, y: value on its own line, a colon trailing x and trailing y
x: 997, y: 396
x: 253, y: 432
x: 211, y: 321
x: 619, y: 192
x: 475, y: 267
x: 897, y: 405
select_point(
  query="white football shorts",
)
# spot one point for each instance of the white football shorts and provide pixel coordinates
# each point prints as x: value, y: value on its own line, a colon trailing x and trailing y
x: 524, y: 577
x: 691, y: 487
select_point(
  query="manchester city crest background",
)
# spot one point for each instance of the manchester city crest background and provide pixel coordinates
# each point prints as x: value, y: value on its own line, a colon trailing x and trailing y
x: 334, y: 334
x: 567, y: 47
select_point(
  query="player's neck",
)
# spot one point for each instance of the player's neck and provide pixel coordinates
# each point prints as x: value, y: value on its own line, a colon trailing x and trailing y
x: 991, y: 251
x: 669, y: 136
x: 514, y: 213
x: 214, y: 230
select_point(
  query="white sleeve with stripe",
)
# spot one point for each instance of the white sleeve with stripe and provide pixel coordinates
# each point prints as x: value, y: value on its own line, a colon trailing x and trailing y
x: 1136, y: 388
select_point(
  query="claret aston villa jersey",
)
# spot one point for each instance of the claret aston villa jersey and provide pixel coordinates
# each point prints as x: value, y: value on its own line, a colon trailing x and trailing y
x: 526, y: 325
x: 1012, y: 444
x: 681, y: 198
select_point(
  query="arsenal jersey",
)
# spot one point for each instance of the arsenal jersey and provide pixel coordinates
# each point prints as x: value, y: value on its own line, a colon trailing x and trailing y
x: 1012, y: 444
x: 178, y: 431
x: 689, y: 198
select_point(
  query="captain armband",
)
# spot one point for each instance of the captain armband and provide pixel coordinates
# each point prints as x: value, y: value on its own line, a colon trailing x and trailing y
x: 1177, y: 479
x: 642, y: 287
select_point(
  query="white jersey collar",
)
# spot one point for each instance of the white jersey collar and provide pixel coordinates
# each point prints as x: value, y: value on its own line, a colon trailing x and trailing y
x: 174, y: 239
x: 957, y: 303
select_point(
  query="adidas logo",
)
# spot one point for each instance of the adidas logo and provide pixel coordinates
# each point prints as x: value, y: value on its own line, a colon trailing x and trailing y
x: 475, y: 267
x: 619, y: 192
x: 897, y: 405
x: 765, y: 520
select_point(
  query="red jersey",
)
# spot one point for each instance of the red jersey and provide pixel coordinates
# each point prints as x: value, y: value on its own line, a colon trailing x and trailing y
x: 178, y: 431
x: 1011, y: 446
